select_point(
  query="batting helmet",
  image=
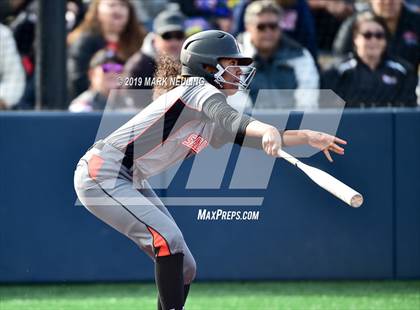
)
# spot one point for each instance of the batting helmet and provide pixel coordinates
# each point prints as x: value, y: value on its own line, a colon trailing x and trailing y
x: 206, y: 48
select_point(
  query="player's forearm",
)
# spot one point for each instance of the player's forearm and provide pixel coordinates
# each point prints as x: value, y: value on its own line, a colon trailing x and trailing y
x: 258, y: 129
x: 290, y: 137
x: 295, y: 137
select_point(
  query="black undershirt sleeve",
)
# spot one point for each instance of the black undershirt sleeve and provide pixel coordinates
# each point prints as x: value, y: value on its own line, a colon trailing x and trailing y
x: 231, y: 125
x: 219, y: 111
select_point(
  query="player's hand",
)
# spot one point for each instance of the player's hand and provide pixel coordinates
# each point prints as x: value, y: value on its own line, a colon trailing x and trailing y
x: 271, y: 141
x: 325, y: 143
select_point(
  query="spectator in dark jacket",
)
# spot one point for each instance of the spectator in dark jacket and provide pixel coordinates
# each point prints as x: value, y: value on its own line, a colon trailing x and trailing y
x: 403, y: 24
x: 281, y: 62
x: 110, y: 24
x: 371, y: 78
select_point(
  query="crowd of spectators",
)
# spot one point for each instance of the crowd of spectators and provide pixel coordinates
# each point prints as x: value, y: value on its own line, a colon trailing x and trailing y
x: 366, y: 51
x: 166, y: 38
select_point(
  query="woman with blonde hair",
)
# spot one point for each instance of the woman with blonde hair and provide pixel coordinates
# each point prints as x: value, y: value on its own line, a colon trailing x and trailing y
x: 108, y: 24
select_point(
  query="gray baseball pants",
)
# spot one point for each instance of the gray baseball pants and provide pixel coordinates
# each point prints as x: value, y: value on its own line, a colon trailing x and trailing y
x: 135, y: 212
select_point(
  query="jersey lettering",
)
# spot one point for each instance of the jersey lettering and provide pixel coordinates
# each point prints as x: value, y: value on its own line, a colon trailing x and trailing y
x: 195, y: 142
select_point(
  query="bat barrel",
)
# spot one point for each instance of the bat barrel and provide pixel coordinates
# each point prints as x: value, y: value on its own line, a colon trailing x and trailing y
x: 327, y: 182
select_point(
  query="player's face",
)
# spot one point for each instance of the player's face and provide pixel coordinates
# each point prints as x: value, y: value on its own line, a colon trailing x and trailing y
x: 230, y: 75
x: 386, y: 8
x: 370, y: 42
x: 113, y: 15
x: 265, y: 31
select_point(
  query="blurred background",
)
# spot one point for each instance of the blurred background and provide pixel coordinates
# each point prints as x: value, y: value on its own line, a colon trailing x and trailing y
x: 47, y: 47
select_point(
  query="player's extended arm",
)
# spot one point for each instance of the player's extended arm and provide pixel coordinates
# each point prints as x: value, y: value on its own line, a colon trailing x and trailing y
x: 272, y: 139
x: 289, y: 137
x: 217, y: 110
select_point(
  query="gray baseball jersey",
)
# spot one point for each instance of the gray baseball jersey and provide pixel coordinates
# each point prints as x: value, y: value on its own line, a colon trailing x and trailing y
x: 170, y: 129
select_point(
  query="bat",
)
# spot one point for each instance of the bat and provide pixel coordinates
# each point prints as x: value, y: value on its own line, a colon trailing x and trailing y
x: 326, y: 181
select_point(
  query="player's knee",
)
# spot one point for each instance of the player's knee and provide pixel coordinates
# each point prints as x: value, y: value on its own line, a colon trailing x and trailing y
x: 169, y: 243
x: 175, y: 242
x: 190, y: 270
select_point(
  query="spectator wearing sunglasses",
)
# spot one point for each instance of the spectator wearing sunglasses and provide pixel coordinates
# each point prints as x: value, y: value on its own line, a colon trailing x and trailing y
x: 403, y: 24
x: 297, y: 22
x: 166, y: 39
x: 371, y: 77
x: 104, y: 69
x: 283, y: 65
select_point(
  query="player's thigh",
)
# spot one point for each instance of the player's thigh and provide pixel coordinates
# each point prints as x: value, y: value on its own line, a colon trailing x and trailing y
x: 128, y: 211
x: 148, y: 192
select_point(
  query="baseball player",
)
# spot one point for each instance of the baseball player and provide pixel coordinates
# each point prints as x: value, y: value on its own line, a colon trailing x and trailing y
x: 111, y: 178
